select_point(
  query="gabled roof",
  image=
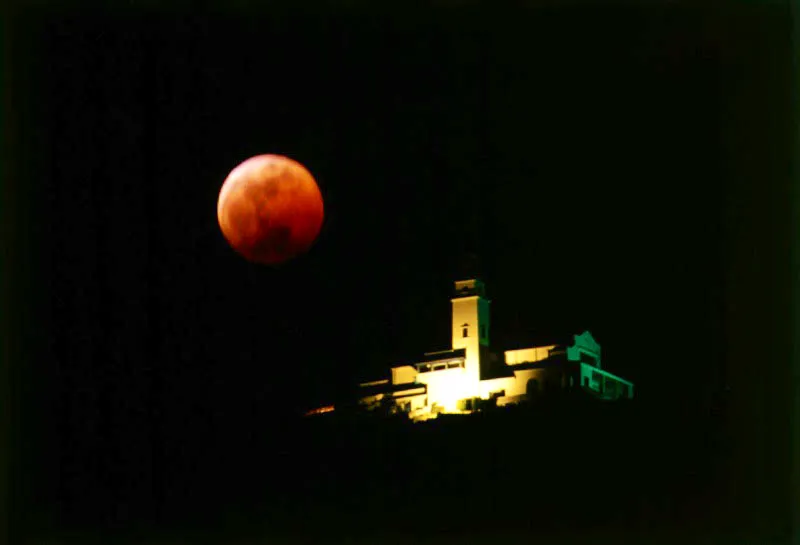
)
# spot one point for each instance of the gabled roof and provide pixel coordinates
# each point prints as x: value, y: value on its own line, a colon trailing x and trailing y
x: 587, y: 341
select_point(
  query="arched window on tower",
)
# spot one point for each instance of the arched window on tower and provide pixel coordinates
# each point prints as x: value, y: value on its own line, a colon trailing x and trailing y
x: 465, y: 330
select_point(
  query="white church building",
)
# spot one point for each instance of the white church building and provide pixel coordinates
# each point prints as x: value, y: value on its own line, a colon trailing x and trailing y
x: 469, y: 375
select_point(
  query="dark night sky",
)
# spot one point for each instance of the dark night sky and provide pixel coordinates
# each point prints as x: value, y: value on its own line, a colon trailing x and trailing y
x: 565, y: 163
x: 593, y: 159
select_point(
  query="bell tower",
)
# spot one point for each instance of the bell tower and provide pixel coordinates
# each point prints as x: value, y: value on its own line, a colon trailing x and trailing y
x: 471, y: 324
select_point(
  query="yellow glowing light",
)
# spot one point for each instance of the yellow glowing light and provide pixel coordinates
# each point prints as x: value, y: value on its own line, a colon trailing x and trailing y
x: 320, y: 410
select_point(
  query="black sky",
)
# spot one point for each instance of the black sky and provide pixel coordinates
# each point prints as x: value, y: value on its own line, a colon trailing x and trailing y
x: 594, y: 159
x: 562, y: 159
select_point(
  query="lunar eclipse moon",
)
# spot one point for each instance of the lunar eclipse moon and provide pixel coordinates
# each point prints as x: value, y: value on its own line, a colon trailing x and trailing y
x: 270, y: 209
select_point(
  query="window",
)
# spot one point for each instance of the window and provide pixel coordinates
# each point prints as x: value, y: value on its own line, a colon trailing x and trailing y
x: 464, y: 332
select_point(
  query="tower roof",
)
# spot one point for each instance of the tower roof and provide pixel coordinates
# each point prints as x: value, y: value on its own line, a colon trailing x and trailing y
x: 469, y: 287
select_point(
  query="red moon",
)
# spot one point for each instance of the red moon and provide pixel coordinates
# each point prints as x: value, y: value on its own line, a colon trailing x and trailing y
x: 270, y: 209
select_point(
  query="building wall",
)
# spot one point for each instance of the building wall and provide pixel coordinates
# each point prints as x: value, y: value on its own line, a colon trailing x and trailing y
x: 517, y: 387
x: 484, y: 322
x: 488, y: 387
x: 404, y: 374
x: 418, y: 402
x: 586, y: 376
x: 526, y: 355
x: 472, y: 311
x: 448, y: 386
x: 598, y: 378
x: 411, y: 404
x: 520, y: 385
x: 554, y: 379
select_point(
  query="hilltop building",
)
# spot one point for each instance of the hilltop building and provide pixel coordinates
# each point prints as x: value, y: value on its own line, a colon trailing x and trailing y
x: 469, y: 375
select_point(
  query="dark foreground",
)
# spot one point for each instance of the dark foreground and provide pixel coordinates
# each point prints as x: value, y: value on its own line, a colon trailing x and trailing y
x: 582, y: 472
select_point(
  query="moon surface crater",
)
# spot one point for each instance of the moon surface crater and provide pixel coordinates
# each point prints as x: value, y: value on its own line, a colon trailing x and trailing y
x: 270, y: 209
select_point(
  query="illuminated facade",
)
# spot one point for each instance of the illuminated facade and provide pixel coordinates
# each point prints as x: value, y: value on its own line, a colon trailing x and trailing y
x: 470, y: 375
